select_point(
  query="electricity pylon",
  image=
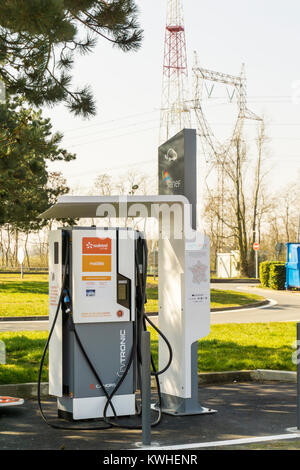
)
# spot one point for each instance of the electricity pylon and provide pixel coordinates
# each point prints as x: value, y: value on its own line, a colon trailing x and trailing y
x: 175, y: 111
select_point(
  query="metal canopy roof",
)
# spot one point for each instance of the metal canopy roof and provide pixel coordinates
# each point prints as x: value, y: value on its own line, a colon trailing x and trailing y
x: 90, y: 206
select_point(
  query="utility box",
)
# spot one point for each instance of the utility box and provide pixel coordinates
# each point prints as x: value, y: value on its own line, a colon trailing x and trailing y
x: 293, y: 266
x: 228, y: 264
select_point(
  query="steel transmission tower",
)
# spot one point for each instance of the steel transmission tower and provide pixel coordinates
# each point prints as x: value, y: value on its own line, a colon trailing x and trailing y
x: 175, y: 110
x: 218, y: 154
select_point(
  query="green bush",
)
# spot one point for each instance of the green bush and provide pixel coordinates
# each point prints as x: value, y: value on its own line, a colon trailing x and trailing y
x: 272, y: 274
x: 264, y: 272
x: 277, y: 276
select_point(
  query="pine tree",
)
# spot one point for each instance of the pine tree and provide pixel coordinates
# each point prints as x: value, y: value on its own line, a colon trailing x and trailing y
x: 39, y: 40
x: 27, y: 144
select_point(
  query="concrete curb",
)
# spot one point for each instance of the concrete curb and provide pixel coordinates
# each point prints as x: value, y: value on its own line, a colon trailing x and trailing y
x: 29, y: 390
x: 260, y: 303
x: 258, y: 375
x: 261, y: 375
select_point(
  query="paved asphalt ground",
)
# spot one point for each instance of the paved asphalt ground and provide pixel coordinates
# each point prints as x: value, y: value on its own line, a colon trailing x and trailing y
x: 286, y: 308
x: 243, y: 410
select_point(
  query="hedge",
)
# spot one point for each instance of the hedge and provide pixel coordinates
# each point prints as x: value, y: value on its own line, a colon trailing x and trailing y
x: 277, y: 276
x: 264, y: 271
x: 272, y: 274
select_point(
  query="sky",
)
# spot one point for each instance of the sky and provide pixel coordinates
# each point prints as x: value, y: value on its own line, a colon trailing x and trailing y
x: 265, y: 35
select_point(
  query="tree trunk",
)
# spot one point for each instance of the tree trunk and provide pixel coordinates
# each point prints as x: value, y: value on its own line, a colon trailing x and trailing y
x: 240, y: 214
x: 26, y: 251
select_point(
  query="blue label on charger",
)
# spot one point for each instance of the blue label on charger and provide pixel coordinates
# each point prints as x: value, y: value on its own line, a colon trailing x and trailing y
x: 90, y: 292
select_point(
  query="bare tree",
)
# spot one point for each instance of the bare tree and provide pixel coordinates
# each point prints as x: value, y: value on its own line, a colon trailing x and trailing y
x: 289, y: 202
x: 259, y: 206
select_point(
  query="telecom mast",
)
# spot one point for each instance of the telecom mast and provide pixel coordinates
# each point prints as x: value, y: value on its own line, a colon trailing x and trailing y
x: 175, y: 112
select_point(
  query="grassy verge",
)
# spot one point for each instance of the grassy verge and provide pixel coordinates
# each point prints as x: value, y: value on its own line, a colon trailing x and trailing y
x: 245, y: 347
x: 248, y: 347
x: 228, y: 347
x: 29, y: 297
x: 23, y: 355
x: 25, y: 297
x: 230, y: 298
x: 219, y: 298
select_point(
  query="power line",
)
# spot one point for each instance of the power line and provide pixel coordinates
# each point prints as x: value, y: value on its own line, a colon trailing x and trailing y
x: 78, y: 144
x: 111, y: 120
x: 130, y: 116
x: 113, y: 129
x: 110, y: 168
x: 113, y: 137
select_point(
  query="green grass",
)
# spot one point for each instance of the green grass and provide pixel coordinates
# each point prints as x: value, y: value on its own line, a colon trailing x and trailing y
x: 29, y: 297
x: 244, y: 347
x: 23, y: 353
x: 219, y: 298
x: 228, y: 347
x: 23, y: 297
x: 230, y: 298
x: 248, y: 347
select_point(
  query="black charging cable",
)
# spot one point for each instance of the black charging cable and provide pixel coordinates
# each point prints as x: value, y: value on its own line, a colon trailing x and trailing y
x: 142, y: 280
x: 143, y: 318
x: 72, y: 326
x: 59, y: 304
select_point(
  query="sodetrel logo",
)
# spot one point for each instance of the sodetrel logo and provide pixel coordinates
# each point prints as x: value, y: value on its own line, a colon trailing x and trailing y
x: 96, y: 245
x: 90, y: 245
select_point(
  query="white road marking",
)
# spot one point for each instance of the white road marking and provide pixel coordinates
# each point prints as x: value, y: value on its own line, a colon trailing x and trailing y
x: 231, y: 442
x: 270, y: 304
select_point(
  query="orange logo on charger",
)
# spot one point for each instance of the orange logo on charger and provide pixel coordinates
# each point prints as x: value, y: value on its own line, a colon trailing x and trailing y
x: 96, y: 264
x: 96, y: 246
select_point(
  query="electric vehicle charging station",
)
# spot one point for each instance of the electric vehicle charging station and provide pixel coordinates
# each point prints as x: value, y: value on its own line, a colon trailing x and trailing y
x: 184, y: 303
x: 100, y: 295
x: 95, y: 279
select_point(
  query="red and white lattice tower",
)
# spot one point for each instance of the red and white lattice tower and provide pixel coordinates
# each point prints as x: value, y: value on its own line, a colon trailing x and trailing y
x: 175, y: 110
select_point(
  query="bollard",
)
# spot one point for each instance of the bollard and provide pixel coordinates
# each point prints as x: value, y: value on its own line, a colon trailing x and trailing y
x: 146, y: 389
x: 2, y: 353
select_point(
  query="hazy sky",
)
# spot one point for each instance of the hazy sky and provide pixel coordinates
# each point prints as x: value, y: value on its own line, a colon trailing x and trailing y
x: 264, y: 34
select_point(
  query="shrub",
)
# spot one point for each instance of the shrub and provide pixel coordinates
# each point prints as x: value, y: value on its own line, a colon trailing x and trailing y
x: 277, y: 276
x: 272, y: 274
x: 264, y: 271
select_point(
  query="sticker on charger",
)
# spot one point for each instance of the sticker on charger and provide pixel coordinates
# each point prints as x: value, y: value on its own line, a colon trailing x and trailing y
x: 96, y: 263
x: 199, y: 298
x: 90, y: 292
